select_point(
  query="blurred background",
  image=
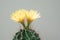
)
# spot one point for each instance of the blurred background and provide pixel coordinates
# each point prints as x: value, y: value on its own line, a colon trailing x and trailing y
x: 48, y: 26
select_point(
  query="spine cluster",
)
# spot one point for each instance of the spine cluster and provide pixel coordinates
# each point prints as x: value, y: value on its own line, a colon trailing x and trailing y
x: 26, y: 35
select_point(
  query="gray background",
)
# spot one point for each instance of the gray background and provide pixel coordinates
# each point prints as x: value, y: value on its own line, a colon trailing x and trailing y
x: 48, y: 26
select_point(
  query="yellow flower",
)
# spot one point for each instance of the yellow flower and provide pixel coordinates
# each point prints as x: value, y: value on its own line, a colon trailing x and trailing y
x: 32, y: 15
x: 19, y: 15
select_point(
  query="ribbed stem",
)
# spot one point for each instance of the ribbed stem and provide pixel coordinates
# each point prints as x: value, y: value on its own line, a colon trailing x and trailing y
x: 27, y: 35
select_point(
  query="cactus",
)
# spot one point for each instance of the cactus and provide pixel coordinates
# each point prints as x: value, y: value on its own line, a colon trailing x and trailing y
x: 27, y: 34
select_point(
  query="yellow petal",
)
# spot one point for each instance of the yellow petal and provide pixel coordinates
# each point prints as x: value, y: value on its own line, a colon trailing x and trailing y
x: 19, y: 15
x: 32, y: 15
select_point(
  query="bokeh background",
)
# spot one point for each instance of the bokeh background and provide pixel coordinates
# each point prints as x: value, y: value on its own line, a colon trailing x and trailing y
x: 48, y: 26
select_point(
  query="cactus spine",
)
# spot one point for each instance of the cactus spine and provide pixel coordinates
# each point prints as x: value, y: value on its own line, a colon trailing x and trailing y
x: 27, y: 34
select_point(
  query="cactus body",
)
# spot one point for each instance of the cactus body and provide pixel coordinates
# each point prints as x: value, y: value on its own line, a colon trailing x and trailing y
x: 26, y: 35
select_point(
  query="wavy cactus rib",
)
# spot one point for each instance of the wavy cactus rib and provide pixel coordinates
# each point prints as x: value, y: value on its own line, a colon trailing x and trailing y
x: 26, y: 35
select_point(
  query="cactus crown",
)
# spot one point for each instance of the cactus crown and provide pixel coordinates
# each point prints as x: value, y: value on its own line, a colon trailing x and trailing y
x: 26, y: 35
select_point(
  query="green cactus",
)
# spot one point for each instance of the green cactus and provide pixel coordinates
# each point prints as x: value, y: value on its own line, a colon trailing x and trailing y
x: 25, y: 17
x: 27, y: 34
